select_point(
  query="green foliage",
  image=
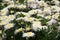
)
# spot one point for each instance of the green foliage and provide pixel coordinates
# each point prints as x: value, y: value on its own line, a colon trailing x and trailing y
x: 21, y: 1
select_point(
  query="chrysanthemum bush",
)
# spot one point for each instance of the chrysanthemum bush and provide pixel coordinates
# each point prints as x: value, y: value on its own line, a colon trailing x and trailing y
x: 29, y: 19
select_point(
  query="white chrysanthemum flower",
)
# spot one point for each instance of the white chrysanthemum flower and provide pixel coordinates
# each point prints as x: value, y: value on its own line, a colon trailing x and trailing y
x: 47, y: 10
x: 17, y: 13
x: 42, y: 3
x: 20, y: 18
x: 56, y: 16
x: 6, y: 19
x: 32, y: 1
x: 56, y: 2
x: 27, y: 28
x: 52, y: 7
x: 11, y: 17
x: 26, y: 14
x: 3, y: 17
x: 52, y: 21
x: 48, y: 17
x: 36, y: 25
x: 8, y: 26
x: 55, y: 8
x: 3, y: 22
x: 36, y: 19
x: 4, y: 11
x: 18, y: 30
x: 42, y: 15
x: 34, y: 6
x: 38, y: 11
x: 28, y: 19
x: 28, y: 34
x: 32, y: 12
x: 21, y: 6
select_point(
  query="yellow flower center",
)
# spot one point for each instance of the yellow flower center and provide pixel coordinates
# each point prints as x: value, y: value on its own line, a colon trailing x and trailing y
x: 19, y: 30
x: 28, y: 33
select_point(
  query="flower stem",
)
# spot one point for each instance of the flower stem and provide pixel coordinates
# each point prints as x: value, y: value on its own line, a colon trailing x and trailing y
x: 27, y: 38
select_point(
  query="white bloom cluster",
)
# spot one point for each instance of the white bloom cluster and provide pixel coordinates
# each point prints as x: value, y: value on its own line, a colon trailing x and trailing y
x: 30, y: 16
x: 28, y: 34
